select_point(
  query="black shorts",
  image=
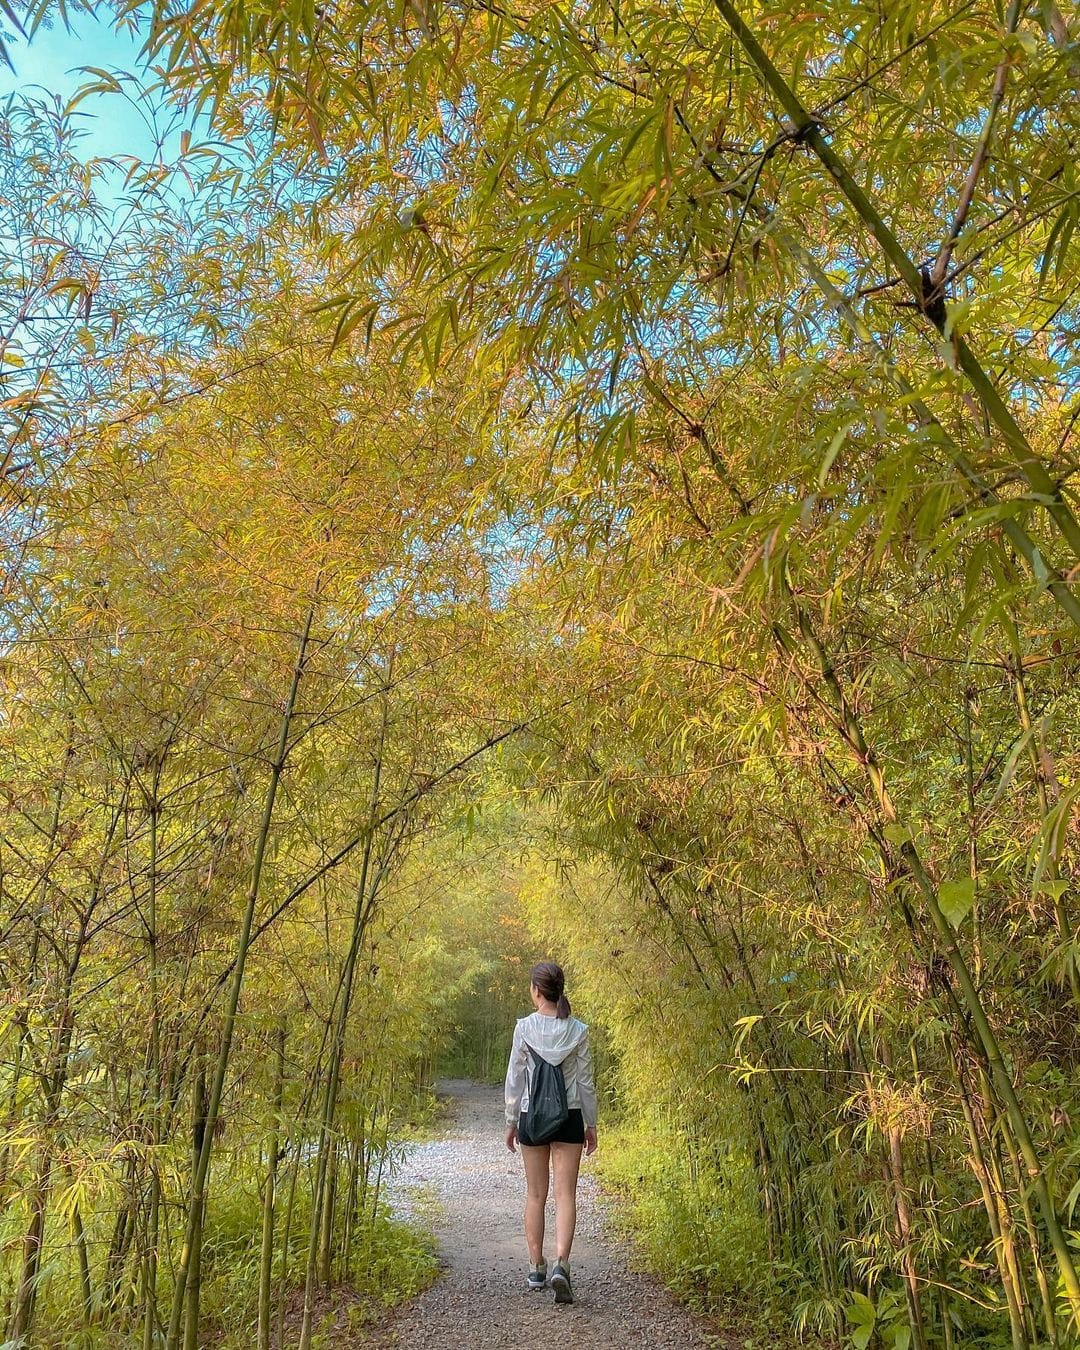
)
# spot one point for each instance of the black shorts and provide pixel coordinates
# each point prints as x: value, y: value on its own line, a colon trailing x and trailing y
x: 572, y: 1132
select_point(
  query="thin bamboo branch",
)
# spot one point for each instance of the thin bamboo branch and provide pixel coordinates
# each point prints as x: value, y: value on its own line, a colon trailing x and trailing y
x: 982, y: 150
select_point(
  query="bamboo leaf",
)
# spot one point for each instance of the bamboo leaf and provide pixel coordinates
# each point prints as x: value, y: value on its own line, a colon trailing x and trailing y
x: 956, y: 899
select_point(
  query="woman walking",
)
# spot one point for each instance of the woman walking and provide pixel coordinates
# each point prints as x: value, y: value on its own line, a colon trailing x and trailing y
x: 551, y: 1035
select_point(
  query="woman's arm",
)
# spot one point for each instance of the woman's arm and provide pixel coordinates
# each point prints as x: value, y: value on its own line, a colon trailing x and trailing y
x: 514, y: 1087
x: 587, y: 1092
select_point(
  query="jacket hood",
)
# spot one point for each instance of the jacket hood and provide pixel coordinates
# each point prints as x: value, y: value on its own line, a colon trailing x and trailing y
x: 553, y: 1038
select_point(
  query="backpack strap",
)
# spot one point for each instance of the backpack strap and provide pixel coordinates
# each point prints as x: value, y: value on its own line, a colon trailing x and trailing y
x: 537, y: 1057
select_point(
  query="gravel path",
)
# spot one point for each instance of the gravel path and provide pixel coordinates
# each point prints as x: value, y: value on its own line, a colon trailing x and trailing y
x: 480, y: 1301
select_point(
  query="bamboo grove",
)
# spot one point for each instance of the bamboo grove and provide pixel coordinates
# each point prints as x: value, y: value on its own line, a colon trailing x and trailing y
x: 638, y: 439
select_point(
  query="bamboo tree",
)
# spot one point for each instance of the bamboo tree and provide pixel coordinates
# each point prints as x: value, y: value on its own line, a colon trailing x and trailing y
x: 196, y: 1206
x: 848, y: 725
x: 366, y: 892
x: 86, y: 1292
x: 1006, y: 1268
x: 1056, y: 883
x: 55, y: 1079
x: 150, y: 1263
x: 192, y: 1235
x: 904, y: 1235
x: 928, y: 299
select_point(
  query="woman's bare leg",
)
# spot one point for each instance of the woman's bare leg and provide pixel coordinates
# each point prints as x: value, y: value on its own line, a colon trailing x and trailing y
x: 565, y: 1161
x: 535, y: 1158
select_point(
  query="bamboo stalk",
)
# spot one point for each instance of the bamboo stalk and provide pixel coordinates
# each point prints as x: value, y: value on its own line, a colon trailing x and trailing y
x: 21, y: 1020
x: 941, y: 1294
x: 973, y: 834
x: 848, y: 725
x: 266, y: 1257
x: 1046, y: 1299
x: 361, y: 911
x: 86, y: 1292
x: 123, y: 1230
x: 196, y: 1207
x: 150, y: 1311
x: 295, y: 1142
x: 202, y: 1166
x: 1025, y: 1329
x: 55, y: 1083
x: 807, y: 131
x: 903, y: 1227
x: 286, y: 1237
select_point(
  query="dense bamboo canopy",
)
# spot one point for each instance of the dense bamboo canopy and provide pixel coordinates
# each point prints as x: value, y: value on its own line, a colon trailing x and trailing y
x: 598, y: 477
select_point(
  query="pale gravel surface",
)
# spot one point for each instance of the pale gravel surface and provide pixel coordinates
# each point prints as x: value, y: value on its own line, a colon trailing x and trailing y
x: 480, y: 1301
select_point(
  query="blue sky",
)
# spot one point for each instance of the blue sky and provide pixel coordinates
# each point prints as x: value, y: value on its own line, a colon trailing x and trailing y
x: 50, y: 62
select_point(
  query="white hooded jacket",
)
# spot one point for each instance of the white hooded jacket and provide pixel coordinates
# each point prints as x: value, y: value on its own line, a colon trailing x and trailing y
x: 559, y: 1040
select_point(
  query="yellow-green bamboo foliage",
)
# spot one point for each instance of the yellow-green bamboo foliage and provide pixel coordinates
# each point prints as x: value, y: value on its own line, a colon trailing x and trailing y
x: 188, y: 571
x: 789, y: 753
x: 742, y: 469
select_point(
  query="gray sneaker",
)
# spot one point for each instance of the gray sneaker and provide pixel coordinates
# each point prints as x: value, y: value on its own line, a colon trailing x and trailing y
x: 560, y: 1282
x: 538, y: 1276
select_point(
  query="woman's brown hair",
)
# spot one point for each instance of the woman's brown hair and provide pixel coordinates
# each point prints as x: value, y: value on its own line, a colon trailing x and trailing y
x: 550, y: 981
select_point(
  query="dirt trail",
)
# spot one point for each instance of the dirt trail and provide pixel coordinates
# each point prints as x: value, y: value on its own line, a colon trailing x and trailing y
x: 480, y: 1302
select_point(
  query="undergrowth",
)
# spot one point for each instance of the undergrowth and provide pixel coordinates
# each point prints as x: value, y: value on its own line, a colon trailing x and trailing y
x: 392, y: 1261
x: 692, y: 1221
